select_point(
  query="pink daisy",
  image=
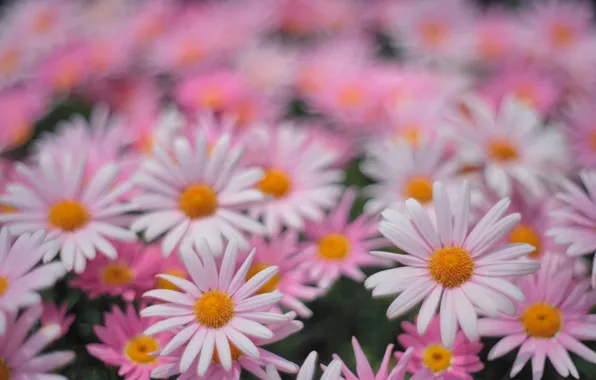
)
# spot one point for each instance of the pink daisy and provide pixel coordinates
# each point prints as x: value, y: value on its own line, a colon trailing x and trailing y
x: 365, y: 371
x: 194, y: 193
x: 282, y: 251
x: 65, y: 68
x: 216, y: 310
x: 240, y: 362
x: 123, y: 344
x: 574, y: 218
x: 77, y: 216
x: 20, y: 350
x: 54, y: 315
x: 299, y: 183
x: 446, y: 265
x: 511, y: 145
x: 128, y: 276
x: 16, y: 61
x: 430, y: 356
x: 335, y: 246
x: 20, y: 282
x: 552, y: 320
x: 307, y: 371
x: 581, y: 133
x: 495, y: 37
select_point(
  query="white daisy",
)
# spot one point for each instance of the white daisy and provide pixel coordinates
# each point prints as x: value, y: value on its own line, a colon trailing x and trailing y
x: 197, y: 192
x: 78, y: 216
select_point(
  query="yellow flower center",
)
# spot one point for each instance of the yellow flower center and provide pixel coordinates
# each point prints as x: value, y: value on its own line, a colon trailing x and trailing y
x: 117, y: 274
x: 561, y: 34
x: 489, y: 46
x: 419, y: 188
x: 66, y: 77
x: 351, y: 96
x: 524, y: 233
x: 7, y: 209
x: 190, y: 54
x: 198, y: 201
x: 270, y: 285
x: 541, y: 320
x: 437, y: 358
x: 502, y: 150
x: 451, y: 266
x: 275, y: 183
x: 4, y: 370
x: 139, y: 349
x: 44, y: 21
x: 592, y: 139
x: 334, y: 247
x: 3, y: 285
x: 434, y: 33
x: 214, y: 309
x: 165, y: 284
x: 235, y: 353
x: 211, y: 97
x: 411, y: 134
x: 22, y: 133
x: 68, y: 215
x: 9, y: 60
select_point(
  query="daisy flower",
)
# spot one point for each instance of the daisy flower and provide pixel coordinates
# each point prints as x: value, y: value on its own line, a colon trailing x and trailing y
x: 447, y: 265
x: 282, y: 251
x: 20, y: 350
x: 123, y: 344
x: 574, y: 218
x: 413, y: 178
x: 191, y: 193
x: 128, y: 276
x: 335, y: 246
x: 365, y: 371
x: 20, y: 282
x: 54, y: 315
x: 307, y: 371
x: 217, y: 310
x: 512, y: 145
x: 240, y: 362
x: 430, y: 356
x: 77, y: 216
x: 298, y: 181
x: 553, y: 319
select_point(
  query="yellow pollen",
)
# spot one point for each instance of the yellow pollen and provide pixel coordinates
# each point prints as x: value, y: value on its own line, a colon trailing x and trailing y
x: 541, y: 320
x: 451, y: 266
x: 3, y: 285
x: 524, y: 233
x: 502, y: 150
x: 561, y: 34
x: 68, y: 215
x: 437, y: 358
x: 419, y: 188
x: 198, y: 201
x: 334, y: 247
x: 434, y: 33
x: 9, y: 60
x: 139, y: 349
x: 117, y: 274
x: 4, y: 370
x: 235, y: 353
x: 351, y: 96
x: 7, y: 209
x: 165, y: 284
x: 270, y: 285
x: 214, y: 309
x: 526, y: 93
x: 275, y: 183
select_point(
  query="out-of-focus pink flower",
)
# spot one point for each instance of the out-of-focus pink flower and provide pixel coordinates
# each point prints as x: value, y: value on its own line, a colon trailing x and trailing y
x: 495, y: 37
x: 581, y: 133
x: 312, y: 16
x: 65, y: 68
x: 57, y: 315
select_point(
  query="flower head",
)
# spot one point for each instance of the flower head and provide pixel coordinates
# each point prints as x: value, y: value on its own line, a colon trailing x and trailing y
x: 447, y: 265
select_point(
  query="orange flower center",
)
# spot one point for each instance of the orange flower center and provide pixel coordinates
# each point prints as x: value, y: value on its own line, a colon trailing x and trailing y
x: 275, y: 183
x: 198, y: 201
x: 3, y: 285
x: 235, y: 353
x: 190, y: 54
x: 351, y: 96
x: 502, y: 150
x: 419, y: 188
x: 9, y: 60
x: 437, y: 358
x: 526, y: 93
x: 4, y: 370
x: 68, y: 215
x: 541, y: 320
x: 451, y: 266
x: 434, y: 33
x: 334, y: 247
x: 561, y: 34
x: 44, y: 21
x: 139, y: 349
x: 270, y: 285
x: 214, y: 309
x: 524, y: 233
x: 165, y: 284
x: 117, y: 274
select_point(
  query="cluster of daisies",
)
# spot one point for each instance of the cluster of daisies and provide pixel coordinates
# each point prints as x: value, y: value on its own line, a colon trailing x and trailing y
x: 243, y: 156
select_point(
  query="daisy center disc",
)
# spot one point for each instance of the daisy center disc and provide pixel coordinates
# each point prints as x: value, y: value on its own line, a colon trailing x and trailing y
x: 350, y: 96
x: 541, y: 320
x: 275, y: 183
x: 437, y: 358
x: 3, y: 286
x: 433, y: 33
x: 235, y: 353
x: 451, y: 266
x: 68, y: 215
x: 4, y: 370
x: 561, y: 34
x: 270, y: 285
x: 117, y: 274
x: 198, y: 201
x: 411, y: 134
x: 334, y: 247
x: 139, y: 349
x: 502, y: 150
x: 524, y: 233
x: 165, y: 284
x: 214, y: 309
x: 419, y: 188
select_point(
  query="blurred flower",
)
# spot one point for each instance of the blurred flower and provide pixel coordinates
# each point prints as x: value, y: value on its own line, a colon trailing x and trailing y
x: 552, y: 320
x: 77, y: 216
x: 54, y: 315
x: 446, y: 265
x: 65, y: 68
x: 581, y: 133
x: 20, y: 349
x: 20, y: 279
x: 336, y: 247
x: 429, y: 355
x: 123, y: 344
